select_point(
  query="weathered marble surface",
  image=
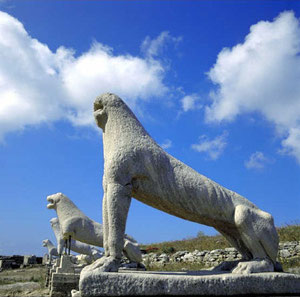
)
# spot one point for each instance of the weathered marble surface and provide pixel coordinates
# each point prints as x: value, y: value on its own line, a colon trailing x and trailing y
x: 136, y: 166
x: 73, y: 222
x: 201, y: 283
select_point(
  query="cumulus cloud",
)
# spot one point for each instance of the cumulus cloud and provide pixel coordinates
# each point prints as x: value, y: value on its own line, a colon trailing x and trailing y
x: 190, y: 102
x: 154, y: 47
x: 40, y: 86
x: 257, y: 161
x: 291, y: 145
x: 212, y: 147
x: 262, y: 74
x: 166, y: 144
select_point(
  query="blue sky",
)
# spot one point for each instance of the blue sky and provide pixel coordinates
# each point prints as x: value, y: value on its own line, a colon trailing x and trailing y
x: 216, y: 83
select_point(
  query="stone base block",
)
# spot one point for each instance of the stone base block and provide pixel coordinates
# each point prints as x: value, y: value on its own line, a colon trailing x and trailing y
x: 63, y: 283
x: 200, y: 283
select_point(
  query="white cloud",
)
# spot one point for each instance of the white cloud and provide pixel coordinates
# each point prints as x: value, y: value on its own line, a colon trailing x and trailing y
x: 257, y: 161
x: 99, y: 71
x: 262, y: 74
x: 154, y: 47
x: 40, y: 86
x: 190, y: 102
x: 166, y: 144
x: 214, y: 148
x: 291, y: 145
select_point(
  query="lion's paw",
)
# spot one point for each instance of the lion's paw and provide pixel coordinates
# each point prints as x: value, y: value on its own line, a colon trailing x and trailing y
x: 75, y: 293
x: 255, y: 266
x: 226, y: 266
x: 104, y: 264
x: 98, y: 263
x: 110, y: 265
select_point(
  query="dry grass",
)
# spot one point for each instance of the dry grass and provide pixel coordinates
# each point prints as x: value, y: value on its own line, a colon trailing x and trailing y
x: 204, y: 242
x: 289, y: 232
x: 35, y: 274
x: 31, y: 274
x: 198, y: 243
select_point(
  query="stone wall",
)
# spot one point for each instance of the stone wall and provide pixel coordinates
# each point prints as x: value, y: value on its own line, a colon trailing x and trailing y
x: 11, y: 262
x: 215, y: 257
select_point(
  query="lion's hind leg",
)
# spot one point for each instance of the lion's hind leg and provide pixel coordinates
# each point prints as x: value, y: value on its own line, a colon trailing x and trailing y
x: 132, y: 250
x: 258, y: 233
x: 234, y: 239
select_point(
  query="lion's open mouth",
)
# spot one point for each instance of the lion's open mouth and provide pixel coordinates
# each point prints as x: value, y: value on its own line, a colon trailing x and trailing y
x: 98, y: 106
x: 51, y: 204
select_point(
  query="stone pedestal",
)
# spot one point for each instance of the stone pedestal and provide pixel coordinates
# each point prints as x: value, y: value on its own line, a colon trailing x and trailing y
x: 51, y: 270
x: 45, y: 260
x: 65, y: 278
x: 201, y: 283
x: 63, y: 284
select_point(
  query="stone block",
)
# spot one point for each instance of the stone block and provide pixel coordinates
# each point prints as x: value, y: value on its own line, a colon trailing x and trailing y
x: 64, y: 277
x: 45, y: 260
x: 63, y: 283
x: 200, y: 283
x: 66, y: 265
x: 29, y: 260
x: 284, y: 254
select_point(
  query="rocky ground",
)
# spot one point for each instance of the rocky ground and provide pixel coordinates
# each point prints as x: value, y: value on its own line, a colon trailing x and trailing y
x: 288, y: 255
x: 24, y: 282
x: 30, y: 281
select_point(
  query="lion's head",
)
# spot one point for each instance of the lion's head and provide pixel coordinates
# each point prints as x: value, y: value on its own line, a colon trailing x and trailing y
x: 54, y: 200
x: 102, y: 105
x: 45, y: 242
x: 54, y: 222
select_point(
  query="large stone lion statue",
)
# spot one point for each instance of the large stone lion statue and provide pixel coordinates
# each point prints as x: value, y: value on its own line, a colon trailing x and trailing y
x: 136, y: 166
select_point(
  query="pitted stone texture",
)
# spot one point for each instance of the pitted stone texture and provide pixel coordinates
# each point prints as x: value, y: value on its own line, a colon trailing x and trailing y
x: 76, y: 246
x: 63, y: 283
x: 136, y: 166
x: 73, y: 222
x: 94, y: 284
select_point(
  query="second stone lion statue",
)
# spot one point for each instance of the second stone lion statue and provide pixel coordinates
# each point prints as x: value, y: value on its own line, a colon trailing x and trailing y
x: 74, y: 224
x: 136, y: 166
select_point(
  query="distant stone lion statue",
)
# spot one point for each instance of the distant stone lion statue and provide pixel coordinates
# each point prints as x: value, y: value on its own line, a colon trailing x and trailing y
x: 136, y: 166
x: 74, y: 224
x: 52, y: 251
x: 76, y: 246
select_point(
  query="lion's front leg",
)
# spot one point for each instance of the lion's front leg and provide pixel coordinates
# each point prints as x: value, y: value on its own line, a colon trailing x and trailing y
x: 99, y: 262
x: 116, y: 202
x: 116, y: 206
x: 105, y: 224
